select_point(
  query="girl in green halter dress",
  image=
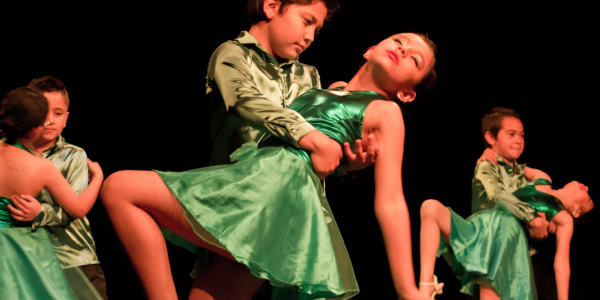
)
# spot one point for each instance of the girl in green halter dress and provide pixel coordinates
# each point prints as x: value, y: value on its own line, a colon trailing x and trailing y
x: 29, y: 268
x: 489, y: 250
x: 267, y: 210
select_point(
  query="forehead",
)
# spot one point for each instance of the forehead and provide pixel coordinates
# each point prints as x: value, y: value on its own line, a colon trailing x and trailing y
x: 416, y: 41
x: 512, y: 123
x: 56, y: 100
x: 317, y: 10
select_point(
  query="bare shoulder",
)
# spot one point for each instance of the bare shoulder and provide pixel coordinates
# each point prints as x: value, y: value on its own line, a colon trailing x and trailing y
x: 383, y: 110
x: 563, y: 218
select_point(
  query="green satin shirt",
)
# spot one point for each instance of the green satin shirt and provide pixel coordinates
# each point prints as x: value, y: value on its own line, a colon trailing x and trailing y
x: 248, y: 93
x: 72, y: 238
x: 489, y: 179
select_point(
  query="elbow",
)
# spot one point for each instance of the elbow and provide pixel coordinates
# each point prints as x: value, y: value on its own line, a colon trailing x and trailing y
x: 77, y: 214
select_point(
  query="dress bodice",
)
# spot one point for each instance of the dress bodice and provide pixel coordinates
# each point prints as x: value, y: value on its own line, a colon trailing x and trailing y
x: 540, y: 201
x: 4, y: 213
x: 337, y: 113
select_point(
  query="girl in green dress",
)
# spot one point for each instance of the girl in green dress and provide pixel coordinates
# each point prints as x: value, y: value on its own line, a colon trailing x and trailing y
x: 489, y: 250
x: 29, y: 268
x: 267, y: 211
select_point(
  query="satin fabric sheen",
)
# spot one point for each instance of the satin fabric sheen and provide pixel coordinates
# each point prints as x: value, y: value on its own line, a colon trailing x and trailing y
x: 268, y: 209
x: 491, y: 248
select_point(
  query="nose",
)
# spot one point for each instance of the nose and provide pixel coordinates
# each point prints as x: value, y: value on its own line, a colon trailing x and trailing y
x: 309, y: 37
x: 520, y: 139
x: 403, y: 50
x: 49, y: 119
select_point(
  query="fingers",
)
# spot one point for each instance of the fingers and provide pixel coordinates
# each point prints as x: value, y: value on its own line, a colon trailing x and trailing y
x: 14, y: 211
x: 348, y: 151
x: 18, y: 201
x: 372, y: 147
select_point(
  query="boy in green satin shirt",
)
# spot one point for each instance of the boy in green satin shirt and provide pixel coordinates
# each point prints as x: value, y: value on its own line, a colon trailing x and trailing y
x: 72, y: 238
x: 497, y: 171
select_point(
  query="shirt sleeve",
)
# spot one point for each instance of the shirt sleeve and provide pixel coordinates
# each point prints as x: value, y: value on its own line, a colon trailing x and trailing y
x: 77, y: 177
x: 230, y: 71
x: 521, y: 210
x: 486, y: 183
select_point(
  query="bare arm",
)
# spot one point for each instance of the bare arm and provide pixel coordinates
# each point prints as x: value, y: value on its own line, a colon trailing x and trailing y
x: 532, y: 174
x: 384, y: 120
x: 76, y: 205
x: 563, y: 226
x: 77, y: 177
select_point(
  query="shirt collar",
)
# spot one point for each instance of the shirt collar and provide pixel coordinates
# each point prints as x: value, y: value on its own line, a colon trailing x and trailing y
x: 510, y: 168
x: 60, y: 143
x: 246, y: 39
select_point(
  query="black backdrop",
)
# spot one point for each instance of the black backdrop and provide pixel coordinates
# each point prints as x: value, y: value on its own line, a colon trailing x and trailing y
x: 136, y: 71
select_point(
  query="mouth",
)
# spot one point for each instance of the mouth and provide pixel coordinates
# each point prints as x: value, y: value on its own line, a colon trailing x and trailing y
x: 393, y: 56
x: 302, y: 48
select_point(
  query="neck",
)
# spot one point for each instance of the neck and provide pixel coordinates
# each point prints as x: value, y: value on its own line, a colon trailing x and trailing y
x: 562, y: 196
x: 259, y: 32
x: 41, y: 145
x: 363, y: 81
x: 27, y: 143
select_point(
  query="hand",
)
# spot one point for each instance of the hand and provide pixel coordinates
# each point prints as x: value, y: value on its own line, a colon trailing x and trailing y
x: 95, y: 171
x: 27, y: 207
x: 538, y: 227
x: 489, y: 155
x: 325, y: 153
x: 361, y: 159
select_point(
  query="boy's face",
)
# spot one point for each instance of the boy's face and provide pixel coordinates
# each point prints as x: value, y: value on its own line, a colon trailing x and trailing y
x: 56, y: 120
x: 510, y: 142
x: 294, y: 29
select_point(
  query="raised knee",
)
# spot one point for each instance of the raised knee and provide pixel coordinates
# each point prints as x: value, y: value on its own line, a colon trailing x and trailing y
x: 111, y: 187
x: 428, y: 207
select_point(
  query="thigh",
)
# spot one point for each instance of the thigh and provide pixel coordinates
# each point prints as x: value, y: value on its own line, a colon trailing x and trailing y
x: 131, y: 191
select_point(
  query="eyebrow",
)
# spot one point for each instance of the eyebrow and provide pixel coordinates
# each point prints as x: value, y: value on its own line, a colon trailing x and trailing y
x: 416, y: 50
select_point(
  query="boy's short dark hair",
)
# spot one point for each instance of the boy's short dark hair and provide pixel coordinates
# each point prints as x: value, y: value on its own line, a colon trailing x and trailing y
x: 492, y: 121
x: 21, y: 110
x: 48, y: 84
x: 257, y: 14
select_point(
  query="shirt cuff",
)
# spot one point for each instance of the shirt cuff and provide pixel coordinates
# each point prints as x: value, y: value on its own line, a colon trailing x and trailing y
x: 297, y: 131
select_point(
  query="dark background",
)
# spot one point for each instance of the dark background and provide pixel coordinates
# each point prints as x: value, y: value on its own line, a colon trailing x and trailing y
x: 135, y: 73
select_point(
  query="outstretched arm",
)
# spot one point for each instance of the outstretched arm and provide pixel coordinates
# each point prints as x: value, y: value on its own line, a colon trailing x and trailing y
x: 384, y: 120
x: 562, y: 268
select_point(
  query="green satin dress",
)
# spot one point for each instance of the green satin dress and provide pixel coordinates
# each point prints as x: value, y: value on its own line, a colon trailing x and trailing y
x: 268, y: 209
x: 490, y: 247
x: 29, y: 267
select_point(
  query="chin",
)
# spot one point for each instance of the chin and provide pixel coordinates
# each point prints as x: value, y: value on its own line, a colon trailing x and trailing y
x: 49, y: 137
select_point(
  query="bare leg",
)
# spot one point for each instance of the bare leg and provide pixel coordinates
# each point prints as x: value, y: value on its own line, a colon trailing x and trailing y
x: 435, y: 219
x: 487, y: 293
x: 225, y: 279
x: 138, y: 202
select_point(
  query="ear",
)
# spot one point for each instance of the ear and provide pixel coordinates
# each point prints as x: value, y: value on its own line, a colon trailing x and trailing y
x: 407, y: 96
x: 366, y: 55
x: 575, y: 211
x: 271, y: 8
x: 66, y: 119
x: 489, y: 138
